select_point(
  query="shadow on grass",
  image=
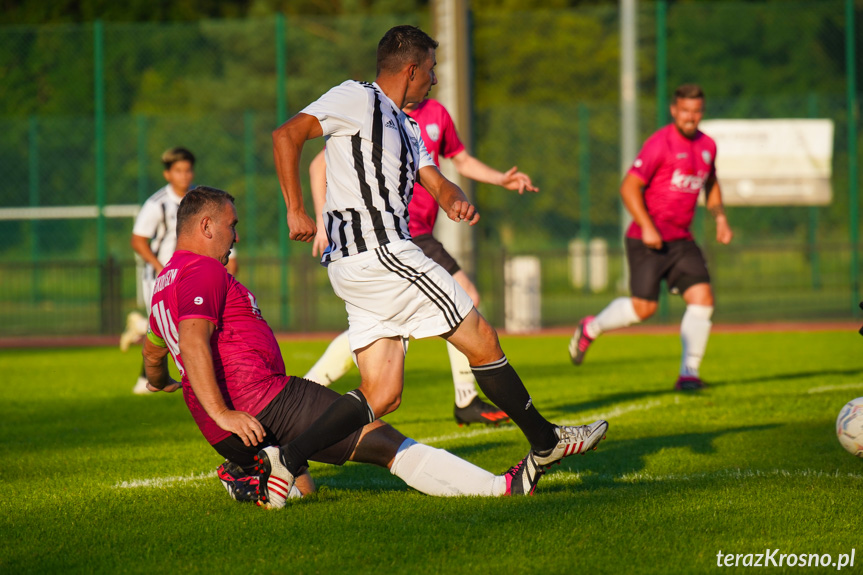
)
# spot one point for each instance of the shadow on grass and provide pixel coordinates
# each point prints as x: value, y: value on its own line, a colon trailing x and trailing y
x: 787, y: 376
x: 620, y: 458
x: 608, y: 400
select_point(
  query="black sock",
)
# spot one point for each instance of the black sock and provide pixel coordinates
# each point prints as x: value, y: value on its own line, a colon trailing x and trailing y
x: 344, y: 416
x: 502, y: 385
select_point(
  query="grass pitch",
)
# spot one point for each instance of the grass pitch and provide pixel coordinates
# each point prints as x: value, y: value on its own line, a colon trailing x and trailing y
x: 96, y: 480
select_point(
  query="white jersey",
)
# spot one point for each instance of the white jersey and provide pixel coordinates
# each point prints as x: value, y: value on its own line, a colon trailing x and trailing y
x: 374, y: 153
x: 157, y: 220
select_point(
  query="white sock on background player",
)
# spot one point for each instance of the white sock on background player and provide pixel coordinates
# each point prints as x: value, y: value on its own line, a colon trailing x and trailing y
x: 462, y: 377
x: 438, y: 472
x: 619, y: 313
x: 336, y: 361
x: 694, y: 332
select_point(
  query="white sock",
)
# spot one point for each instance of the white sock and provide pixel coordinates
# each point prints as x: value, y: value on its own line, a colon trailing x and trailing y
x: 619, y: 313
x: 437, y: 472
x: 462, y: 376
x: 694, y: 332
x: 336, y: 361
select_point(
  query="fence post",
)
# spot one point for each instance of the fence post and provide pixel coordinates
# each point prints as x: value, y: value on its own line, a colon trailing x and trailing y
x: 853, y: 192
x: 661, y: 62
x: 99, y: 105
x: 33, y: 185
x: 662, y: 112
x: 812, y: 236
x: 251, y: 200
x: 143, y: 160
x: 281, y: 117
x: 584, y: 179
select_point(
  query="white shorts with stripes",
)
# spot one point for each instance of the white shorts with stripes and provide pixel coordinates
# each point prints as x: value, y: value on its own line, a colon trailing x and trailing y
x: 396, y: 291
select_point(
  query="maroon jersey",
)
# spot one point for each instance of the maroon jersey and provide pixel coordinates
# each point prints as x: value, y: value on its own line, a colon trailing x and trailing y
x: 441, y: 139
x: 246, y: 357
x: 674, y: 169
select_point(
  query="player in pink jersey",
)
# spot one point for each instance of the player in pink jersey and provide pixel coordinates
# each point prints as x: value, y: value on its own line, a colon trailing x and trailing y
x: 441, y: 139
x: 234, y: 381
x: 660, y: 191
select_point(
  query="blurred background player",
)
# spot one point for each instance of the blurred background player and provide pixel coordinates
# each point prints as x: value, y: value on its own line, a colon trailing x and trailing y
x: 441, y: 139
x: 660, y: 191
x: 154, y: 238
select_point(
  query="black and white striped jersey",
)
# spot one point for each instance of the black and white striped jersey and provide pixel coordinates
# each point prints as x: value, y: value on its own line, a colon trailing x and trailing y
x: 157, y: 220
x: 374, y: 153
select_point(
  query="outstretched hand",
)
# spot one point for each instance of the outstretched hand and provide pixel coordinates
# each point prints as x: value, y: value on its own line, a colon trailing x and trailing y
x: 515, y: 180
x: 463, y: 211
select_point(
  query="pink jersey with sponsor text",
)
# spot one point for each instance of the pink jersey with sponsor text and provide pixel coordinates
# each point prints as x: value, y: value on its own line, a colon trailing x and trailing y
x: 674, y: 169
x: 441, y: 139
x: 246, y: 357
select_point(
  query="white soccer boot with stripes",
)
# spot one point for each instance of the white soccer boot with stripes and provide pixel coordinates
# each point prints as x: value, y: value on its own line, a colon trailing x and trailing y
x: 277, y: 482
x: 572, y: 439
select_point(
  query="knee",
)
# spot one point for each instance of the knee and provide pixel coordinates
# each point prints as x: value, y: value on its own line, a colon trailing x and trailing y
x: 644, y: 308
x: 385, y: 403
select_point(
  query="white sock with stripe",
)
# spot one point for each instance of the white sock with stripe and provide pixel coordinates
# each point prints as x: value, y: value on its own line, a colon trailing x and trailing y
x: 619, y: 313
x: 462, y: 376
x: 694, y: 333
x: 336, y: 361
x: 438, y: 472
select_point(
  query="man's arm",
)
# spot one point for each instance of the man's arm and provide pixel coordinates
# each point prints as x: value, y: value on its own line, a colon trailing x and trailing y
x: 472, y: 168
x: 156, y: 368
x: 141, y: 245
x: 448, y: 195
x: 318, y: 183
x: 714, y: 206
x: 631, y: 190
x: 194, y: 341
x: 288, y: 141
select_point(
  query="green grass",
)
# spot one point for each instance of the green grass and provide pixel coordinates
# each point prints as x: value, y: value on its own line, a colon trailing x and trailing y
x: 750, y: 464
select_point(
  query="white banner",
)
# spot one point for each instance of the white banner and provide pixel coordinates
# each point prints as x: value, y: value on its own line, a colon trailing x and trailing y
x: 773, y: 162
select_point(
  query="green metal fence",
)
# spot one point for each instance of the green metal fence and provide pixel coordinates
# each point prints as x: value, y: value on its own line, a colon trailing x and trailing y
x: 86, y: 111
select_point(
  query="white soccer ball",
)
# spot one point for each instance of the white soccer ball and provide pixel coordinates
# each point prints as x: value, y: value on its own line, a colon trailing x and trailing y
x: 849, y: 427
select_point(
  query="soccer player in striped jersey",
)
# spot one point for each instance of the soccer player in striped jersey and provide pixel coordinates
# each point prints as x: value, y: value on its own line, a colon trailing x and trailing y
x: 441, y: 139
x: 392, y: 291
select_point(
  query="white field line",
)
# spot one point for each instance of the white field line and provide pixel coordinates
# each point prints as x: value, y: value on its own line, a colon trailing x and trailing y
x: 165, y: 481
x: 826, y: 388
x: 570, y: 477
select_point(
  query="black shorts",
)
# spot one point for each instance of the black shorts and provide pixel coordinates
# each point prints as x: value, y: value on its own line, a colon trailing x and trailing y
x: 435, y: 251
x: 290, y: 413
x: 680, y: 263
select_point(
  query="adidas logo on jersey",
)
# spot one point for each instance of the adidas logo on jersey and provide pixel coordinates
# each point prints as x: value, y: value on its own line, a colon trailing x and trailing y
x: 391, y: 124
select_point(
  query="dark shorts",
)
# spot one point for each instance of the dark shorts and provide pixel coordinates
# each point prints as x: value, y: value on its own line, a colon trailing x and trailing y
x: 680, y: 263
x: 290, y: 413
x: 435, y: 251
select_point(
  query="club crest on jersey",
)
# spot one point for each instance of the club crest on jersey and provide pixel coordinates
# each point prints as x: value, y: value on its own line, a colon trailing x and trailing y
x: 705, y: 155
x: 433, y: 130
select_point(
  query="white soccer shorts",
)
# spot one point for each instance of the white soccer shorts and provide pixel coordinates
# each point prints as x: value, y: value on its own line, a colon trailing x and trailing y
x: 396, y: 291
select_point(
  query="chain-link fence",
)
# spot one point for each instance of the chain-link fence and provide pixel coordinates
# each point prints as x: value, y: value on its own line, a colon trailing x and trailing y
x: 87, y: 110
